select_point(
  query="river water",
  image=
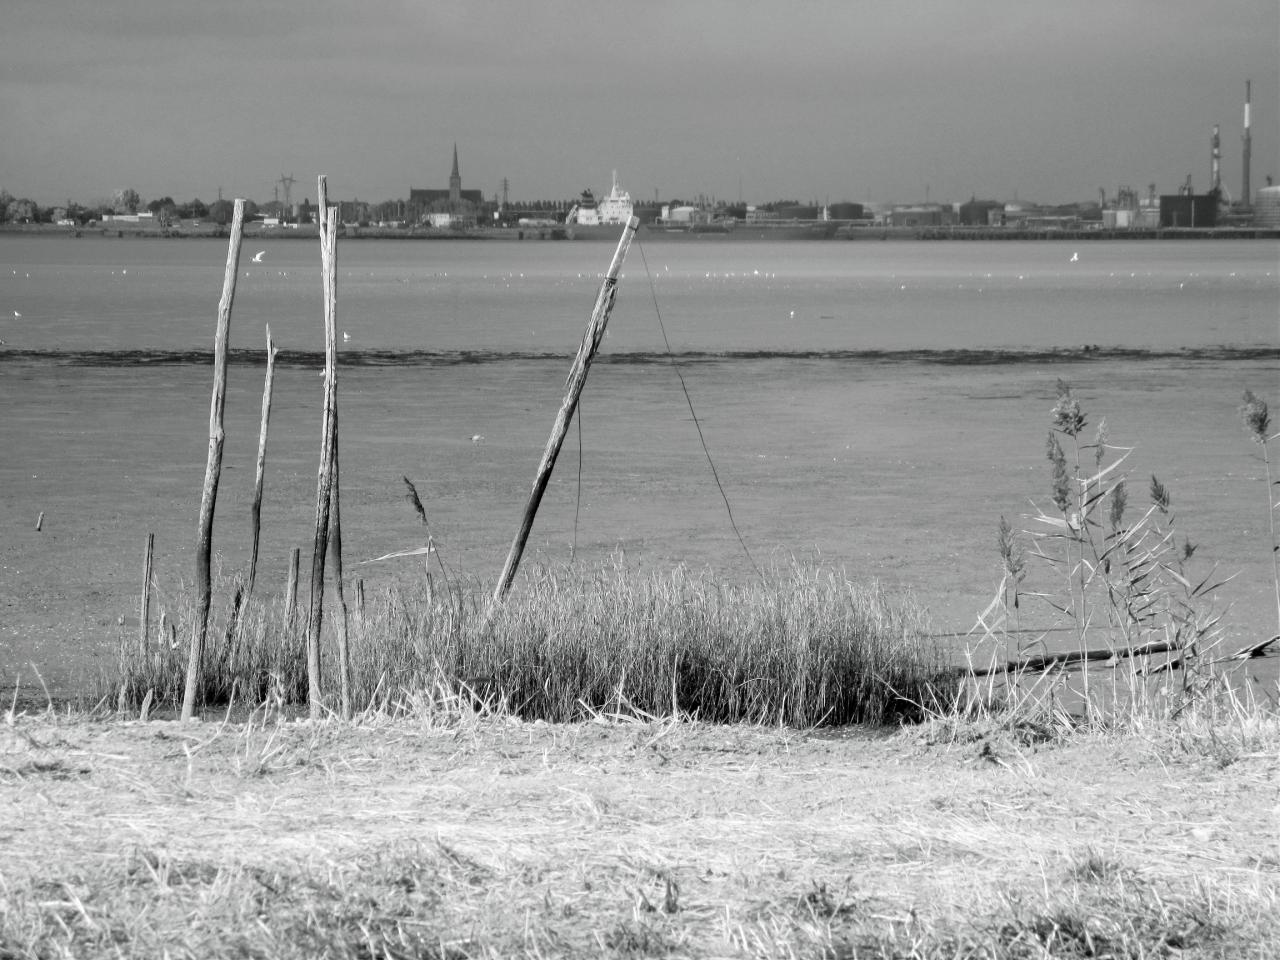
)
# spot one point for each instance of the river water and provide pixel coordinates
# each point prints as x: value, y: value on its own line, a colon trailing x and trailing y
x: 874, y: 405
x: 720, y: 297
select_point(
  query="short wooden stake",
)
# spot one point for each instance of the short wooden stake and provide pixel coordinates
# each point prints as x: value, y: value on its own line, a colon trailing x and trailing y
x: 213, y: 467
x: 144, y: 611
x: 577, y: 380
x: 39, y: 521
x: 291, y: 595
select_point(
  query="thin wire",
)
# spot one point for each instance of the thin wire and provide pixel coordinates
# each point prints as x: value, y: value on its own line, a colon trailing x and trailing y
x: 653, y: 292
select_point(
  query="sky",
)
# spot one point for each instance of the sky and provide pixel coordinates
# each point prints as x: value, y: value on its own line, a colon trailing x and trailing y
x: 811, y: 100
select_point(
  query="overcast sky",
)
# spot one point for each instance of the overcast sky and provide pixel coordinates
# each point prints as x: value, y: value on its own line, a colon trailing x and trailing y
x: 805, y: 99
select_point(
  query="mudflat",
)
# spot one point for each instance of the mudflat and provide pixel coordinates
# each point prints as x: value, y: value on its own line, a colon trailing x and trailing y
x: 894, y: 470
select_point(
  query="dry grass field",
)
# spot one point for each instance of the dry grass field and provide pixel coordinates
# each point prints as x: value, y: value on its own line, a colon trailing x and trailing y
x: 441, y: 833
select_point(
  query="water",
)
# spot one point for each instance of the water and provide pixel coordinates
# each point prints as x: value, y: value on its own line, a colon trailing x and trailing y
x: 94, y: 294
x: 876, y: 405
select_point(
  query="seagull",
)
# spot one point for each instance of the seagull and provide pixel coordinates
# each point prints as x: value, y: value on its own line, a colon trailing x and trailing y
x: 257, y: 257
x: 477, y: 438
x: 17, y: 315
x: 1075, y: 257
x: 345, y: 335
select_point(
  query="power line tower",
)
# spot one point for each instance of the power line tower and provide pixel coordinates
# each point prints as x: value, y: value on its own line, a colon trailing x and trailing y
x: 287, y: 182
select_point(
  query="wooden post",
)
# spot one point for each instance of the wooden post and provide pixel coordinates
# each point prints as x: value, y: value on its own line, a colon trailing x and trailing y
x: 324, y: 478
x: 335, y: 566
x: 290, y: 684
x: 291, y: 596
x: 144, y: 612
x: 577, y: 379
x: 261, y: 470
x: 213, y: 466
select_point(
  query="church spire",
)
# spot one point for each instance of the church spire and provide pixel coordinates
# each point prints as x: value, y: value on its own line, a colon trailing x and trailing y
x: 455, y: 179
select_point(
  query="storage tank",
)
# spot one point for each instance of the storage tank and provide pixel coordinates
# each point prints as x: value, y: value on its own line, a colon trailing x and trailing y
x: 978, y: 212
x: 1266, y: 207
x: 845, y: 211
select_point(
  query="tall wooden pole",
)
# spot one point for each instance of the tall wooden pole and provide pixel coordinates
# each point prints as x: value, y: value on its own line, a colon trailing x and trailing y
x: 213, y: 466
x: 573, y: 390
x: 260, y: 472
x: 324, y: 478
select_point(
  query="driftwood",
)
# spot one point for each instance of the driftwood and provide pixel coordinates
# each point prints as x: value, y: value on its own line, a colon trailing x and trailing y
x: 261, y: 468
x: 213, y: 467
x: 1050, y: 660
x: 576, y: 381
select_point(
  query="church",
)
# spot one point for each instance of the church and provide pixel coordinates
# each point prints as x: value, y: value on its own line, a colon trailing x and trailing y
x: 454, y: 207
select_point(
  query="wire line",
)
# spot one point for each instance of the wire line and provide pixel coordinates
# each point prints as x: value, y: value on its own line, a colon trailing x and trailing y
x: 653, y: 292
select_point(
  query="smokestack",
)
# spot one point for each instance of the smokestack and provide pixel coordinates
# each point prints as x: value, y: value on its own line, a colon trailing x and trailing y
x: 1215, y: 165
x: 1245, y: 197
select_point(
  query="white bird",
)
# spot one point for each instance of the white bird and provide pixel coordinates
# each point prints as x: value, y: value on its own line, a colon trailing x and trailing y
x: 17, y: 315
x: 1075, y: 257
x: 476, y: 438
x: 257, y: 257
x: 345, y: 335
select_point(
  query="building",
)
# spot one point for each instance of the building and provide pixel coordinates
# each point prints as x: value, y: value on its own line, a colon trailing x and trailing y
x: 450, y: 208
x: 1266, y: 207
x: 921, y: 215
x: 1189, y: 210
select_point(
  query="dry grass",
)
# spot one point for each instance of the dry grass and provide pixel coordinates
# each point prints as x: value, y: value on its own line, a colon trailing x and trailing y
x: 452, y: 834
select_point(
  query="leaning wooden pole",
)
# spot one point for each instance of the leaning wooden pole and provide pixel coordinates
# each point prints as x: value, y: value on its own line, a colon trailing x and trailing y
x: 573, y: 390
x: 213, y: 466
x: 261, y: 469
x: 324, y: 477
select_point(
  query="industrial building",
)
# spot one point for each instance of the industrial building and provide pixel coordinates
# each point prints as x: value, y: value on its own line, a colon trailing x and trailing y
x: 1266, y: 207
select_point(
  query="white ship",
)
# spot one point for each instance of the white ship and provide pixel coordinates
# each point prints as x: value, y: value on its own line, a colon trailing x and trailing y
x: 613, y: 210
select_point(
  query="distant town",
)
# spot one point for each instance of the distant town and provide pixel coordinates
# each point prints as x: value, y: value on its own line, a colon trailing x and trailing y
x: 453, y: 210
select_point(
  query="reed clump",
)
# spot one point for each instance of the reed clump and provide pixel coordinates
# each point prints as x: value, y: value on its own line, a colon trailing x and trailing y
x: 801, y: 647
x: 1104, y: 614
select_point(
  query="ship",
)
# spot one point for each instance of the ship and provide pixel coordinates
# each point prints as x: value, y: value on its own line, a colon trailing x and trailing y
x: 592, y: 219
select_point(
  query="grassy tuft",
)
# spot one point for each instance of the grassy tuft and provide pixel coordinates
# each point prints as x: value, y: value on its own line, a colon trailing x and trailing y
x: 804, y: 647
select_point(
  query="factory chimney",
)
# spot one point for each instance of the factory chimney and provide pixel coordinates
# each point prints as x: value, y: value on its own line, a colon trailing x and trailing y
x: 1245, y: 197
x: 1215, y: 165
